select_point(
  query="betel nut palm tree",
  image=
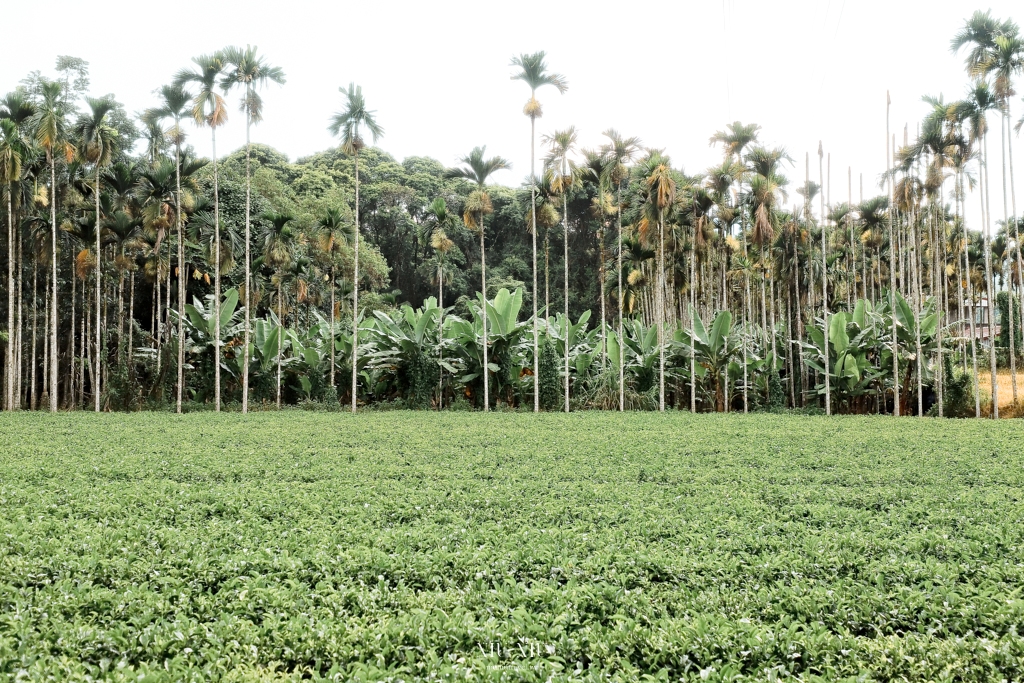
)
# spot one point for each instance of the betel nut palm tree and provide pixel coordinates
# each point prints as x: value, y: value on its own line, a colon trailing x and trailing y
x: 533, y: 71
x: 347, y: 124
x: 477, y: 169
x: 210, y: 109
x: 245, y: 68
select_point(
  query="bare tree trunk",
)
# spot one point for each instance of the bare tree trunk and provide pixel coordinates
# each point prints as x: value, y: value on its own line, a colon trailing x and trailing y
x: 892, y: 267
x: 1016, y: 234
x: 693, y: 328
x: 331, y: 344
x: 33, y: 396
x: 97, y: 368
x: 990, y: 283
x: 54, y: 350
x: 355, y: 295
x: 533, y: 214
x: 130, y: 359
x: 280, y: 338
x: 74, y: 364
x: 216, y: 278
x: 483, y: 312
x: 181, y: 280
x: 565, y: 271
x: 1004, y: 125
x: 622, y: 348
x: 661, y: 313
x: 248, y: 267
x: 970, y: 292
x: 824, y: 288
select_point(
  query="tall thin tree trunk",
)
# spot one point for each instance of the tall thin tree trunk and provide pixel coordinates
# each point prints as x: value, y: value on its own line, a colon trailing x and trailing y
x: 661, y: 311
x: 11, y: 336
x: 181, y: 279
x: 483, y: 311
x: 280, y: 337
x: 355, y: 294
x: 622, y: 348
x: 892, y: 265
x: 989, y: 282
x: 1004, y: 126
x: 693, y: 327
x: 536, y: 293
x: 1016, y: 234
x: 131, y: 322
x: 970, y: 292
x: 69, y: 399
x: 331, y: 343
x: 248, y: 267
x: 565, y: 271
x: 33, y: 396
x: 53, y: 295
x: 824, y: 287
x: 97, y: 367
x: 440, y: 333
x: 216, y: 277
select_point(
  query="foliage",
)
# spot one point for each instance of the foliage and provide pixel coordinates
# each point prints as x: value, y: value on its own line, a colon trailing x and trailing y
x: 384, y: 547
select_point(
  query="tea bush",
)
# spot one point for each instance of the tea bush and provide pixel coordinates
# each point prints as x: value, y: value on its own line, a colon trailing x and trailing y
x: 442, y: 546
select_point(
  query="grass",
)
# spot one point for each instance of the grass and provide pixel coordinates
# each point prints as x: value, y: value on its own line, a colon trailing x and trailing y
x: 595, y: 546
x: 1007, y: 407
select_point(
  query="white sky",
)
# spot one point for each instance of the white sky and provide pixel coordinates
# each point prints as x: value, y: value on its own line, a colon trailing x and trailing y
x: 437, y: 72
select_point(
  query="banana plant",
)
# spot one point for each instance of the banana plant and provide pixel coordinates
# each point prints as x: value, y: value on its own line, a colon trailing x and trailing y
x: 714, y: 350
x: 200, y: 330
x: 404, y: 355
x: 583, y: 343
x: 507, y: 345
x: 639, y: 347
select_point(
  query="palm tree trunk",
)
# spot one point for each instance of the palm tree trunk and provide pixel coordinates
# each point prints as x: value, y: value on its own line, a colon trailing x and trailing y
x: 533, y: 215
x: 693, y: 327
x: 1004, y: 126
x: 892, y: 268
x: 483, y: 311
x: 916, y: 284
x: 547, y: 273
x: 824, y: 290
x: 131, y: 321
x: 245, y: 391
x: 84, y: 345
x: 33, y: 396
x: 802, y: 370
x: 44, y: 391
x: 53, y: 295
x: 355, y: 293
x: 181, y: 279
x: 280, y: 336
x: 989, y: 283
x: 600, y: 292
x: 661, y: 313
x: 622, y: 349
x: 440, y: 330
x: 565, y: 271
x: 69, y: 398
x: 1016, y: 233
x: 20, y: 324
x: 11, y: 337
x: 248, y: 266
x: 216, y: 277
x: 970, y: 293
x: 97, y: 367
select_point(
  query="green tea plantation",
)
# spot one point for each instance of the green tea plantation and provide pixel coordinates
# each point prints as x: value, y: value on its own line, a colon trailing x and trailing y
x: 426, y: 546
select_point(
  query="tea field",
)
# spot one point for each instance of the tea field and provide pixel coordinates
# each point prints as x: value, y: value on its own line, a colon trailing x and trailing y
x: 458, y: 546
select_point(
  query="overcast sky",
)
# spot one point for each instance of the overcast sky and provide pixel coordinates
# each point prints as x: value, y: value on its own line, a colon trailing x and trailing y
x: 437, y: 73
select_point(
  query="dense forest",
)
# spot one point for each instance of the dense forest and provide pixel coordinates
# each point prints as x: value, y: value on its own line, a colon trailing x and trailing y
x: 140, y: 276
